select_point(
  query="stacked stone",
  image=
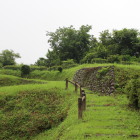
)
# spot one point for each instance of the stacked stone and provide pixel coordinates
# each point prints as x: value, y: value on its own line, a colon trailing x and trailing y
x: 87, y: 78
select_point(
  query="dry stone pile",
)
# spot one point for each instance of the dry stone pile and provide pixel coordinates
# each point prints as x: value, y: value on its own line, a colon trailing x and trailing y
x: 97, y: 79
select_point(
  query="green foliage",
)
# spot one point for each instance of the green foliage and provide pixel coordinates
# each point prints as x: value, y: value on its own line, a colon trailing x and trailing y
x: 10, y: 72
x: 123, y: 74
x: 8, y: 80
x: 106, y: 118
x: 25, y: 70
x: 0, y: 65
x: 113, y: 59
x: 98, y: 60
x: 41, y: 62
x: 132, y: 89
x: 102, y: 72
x: 12, y: 67
x: 127, y: 41
x: 7, y: 57
x: 68, y: 63
x: 31, y: 112
x: 60, y: 69
x: 89, y: 57
x: 68, y: 43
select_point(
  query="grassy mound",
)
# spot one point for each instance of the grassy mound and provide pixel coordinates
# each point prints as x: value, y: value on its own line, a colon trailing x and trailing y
x: 8, y: 80
x: 26, y: 113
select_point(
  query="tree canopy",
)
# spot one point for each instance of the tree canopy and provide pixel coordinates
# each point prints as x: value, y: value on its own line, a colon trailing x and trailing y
x: 68, y: 43
x: 7, y: 57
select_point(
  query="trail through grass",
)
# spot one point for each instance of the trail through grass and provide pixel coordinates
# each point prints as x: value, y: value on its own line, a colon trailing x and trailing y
x: 106, y: 117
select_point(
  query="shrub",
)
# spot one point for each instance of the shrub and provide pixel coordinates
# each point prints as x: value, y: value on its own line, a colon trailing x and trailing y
x: 113, y: 59
x: 68, y: 63
x: 60, y: 69
x: 98, y: 60
x: 102, y: 72
x: 133, y: 91
x: 12, y: 67
x: 25, y: 70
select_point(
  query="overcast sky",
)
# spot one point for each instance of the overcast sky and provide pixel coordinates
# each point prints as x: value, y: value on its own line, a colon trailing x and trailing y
x: 23, y: 23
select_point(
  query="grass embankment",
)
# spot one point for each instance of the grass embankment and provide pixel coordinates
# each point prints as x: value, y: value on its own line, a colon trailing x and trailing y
x: 106, y: 117
x: 27, y: 110
x: 66, y: 73
x: 9, y: 80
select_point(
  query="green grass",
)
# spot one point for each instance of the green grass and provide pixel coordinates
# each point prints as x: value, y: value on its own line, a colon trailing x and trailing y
x: 66, y: 73
x: 9, y: 80
x: 106, y: 117
x: 32, y: 111
x: 27, y: 110
x: 69, y: 73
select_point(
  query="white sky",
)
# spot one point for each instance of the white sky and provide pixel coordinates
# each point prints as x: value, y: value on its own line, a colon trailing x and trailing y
x: 23, y: 23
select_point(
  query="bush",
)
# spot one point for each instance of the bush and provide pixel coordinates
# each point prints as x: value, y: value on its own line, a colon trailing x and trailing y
x: 68, y: 64
x: 133, y: 91
x: 60, y: 69
x: 89, y: 57
x: 12, y: 67
x: 25, y: 70
x: 113, y: 59
x: 98, y: 60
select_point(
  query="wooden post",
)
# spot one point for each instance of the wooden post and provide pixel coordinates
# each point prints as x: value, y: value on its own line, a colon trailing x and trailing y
x: 79, y: 108
x: 84, y: 100
x: 76, y: 87
x: 80, y: 91
x: 67, y: 83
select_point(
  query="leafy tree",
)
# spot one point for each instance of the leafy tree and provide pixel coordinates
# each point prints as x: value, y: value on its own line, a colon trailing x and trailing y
x: 69, y: 43
x: 127, y: 41
x: 41, y: 62
x: 7, y: 57
x: 53, y: 58
x: 105, y: 38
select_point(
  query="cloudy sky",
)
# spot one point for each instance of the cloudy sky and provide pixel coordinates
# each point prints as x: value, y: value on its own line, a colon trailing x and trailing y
x: 23, y: 23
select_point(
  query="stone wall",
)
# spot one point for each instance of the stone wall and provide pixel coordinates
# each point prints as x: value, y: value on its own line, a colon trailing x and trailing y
x: 97, y: 79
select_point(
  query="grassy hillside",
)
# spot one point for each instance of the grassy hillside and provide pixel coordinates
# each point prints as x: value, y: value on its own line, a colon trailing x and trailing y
x: 28, y: 110
x: 9, y: 80
x: 49, y: 112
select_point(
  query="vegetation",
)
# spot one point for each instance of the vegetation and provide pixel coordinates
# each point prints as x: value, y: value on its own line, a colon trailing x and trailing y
x: 29, y: 110
x: 9, y: 80
x: 118, y: 46
x: 25, y: 70
x: 132, y: 89
x: 47, y: 111
x: 37, y: 109
x: 106, y: 118
x: 7, y: 57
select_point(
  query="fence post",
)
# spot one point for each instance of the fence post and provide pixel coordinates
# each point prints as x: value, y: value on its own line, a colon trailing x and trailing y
x: 76, y: 87
x: 84, y: 100
x: 79, y: 108
x: 80, y: 91
x: 67, y: 83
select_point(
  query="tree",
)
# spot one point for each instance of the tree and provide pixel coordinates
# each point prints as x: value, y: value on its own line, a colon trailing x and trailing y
x: 105, y: 38
x: 127, y: 41
x: 41, y: 62
x: 7, y: 57
x: 69, y: 43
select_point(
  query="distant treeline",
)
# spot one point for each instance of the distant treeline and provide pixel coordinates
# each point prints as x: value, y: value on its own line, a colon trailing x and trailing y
x: 67, y: 43
x: 70, y: 46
